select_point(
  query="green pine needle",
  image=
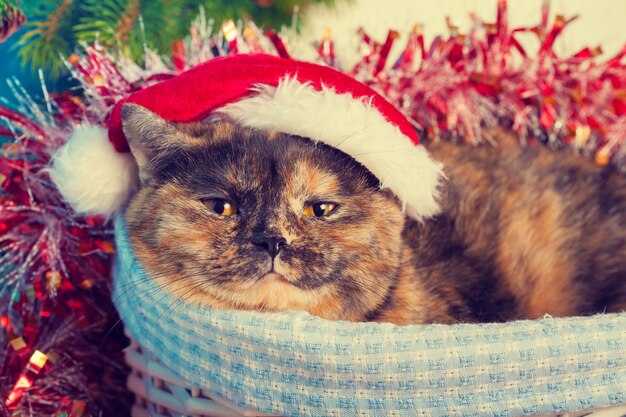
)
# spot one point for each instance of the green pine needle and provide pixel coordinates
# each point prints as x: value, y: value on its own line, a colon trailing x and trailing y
x: 5, y: 4
x: 48, y: 36
x: 58, y: 27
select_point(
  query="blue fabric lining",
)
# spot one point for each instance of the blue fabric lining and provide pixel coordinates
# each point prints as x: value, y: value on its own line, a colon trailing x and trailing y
x: 295, y: 364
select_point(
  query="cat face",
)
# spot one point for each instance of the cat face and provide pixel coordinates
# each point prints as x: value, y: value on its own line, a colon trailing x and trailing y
x: 238, y: 218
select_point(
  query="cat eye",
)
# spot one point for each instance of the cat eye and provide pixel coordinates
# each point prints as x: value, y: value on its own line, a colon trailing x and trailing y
x: 319, y: 209
x: 221, y: 207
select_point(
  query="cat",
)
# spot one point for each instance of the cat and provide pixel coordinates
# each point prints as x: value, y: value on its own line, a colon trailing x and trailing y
x: 232, y: 217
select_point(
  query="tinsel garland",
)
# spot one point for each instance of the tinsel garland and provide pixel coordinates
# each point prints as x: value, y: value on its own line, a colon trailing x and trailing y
x: 11, y: 19
x: 459, y: 86
x: 55, y: 356
x: 60, y: 348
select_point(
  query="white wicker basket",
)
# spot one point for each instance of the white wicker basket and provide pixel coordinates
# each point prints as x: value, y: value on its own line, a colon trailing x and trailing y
x: 160, y: 393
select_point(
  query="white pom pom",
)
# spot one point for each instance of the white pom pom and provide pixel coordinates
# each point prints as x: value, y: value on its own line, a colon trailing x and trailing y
x: 91, y: 175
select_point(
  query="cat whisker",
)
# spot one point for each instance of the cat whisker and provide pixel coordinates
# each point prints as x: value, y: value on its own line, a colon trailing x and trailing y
x: 158, y: 287
x: 178, y: 299
x: 110, y: 331
x: 380, y: 152
x: 134, y: 284
x: 354, y: 133
x: 372, y: 289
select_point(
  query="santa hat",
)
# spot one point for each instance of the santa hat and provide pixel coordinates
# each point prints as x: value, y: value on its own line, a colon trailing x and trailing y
x: 96, y: 173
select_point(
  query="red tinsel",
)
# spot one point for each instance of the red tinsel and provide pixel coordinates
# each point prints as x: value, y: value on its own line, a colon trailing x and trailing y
x: 458, y: 86
x: 55, y: 308
x: 56, y: 355
x: 11, y: 19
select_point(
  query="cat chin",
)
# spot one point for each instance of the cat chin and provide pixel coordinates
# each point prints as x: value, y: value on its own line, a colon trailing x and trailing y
x: 274, y: 277
x: 272, y: 293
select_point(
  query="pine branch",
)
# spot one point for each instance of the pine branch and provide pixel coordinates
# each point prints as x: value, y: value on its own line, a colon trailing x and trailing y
x: 58, y: 26
x: 128, y: 21
x: 48, y: 36
x: 53, y: 24
x: 6, y: 5
x: 118, y: 23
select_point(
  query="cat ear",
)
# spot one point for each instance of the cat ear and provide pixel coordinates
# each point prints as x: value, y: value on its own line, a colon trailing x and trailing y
x: 149, y: 136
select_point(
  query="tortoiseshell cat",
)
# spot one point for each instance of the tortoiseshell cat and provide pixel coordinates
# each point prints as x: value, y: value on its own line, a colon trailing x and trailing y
x: 239, y: 218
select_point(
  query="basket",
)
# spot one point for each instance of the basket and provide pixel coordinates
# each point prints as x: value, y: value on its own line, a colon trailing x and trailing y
x: 160, y: 393
x: 295, y: 364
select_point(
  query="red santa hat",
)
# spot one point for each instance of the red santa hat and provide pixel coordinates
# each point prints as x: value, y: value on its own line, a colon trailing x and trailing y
x: 96, y: 173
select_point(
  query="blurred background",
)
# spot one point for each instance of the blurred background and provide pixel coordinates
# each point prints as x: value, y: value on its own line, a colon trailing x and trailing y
x: 48, y: 29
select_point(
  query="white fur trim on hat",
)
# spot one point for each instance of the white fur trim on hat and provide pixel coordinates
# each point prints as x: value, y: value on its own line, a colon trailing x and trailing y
x: 91, y: 175
x: 353, y: 126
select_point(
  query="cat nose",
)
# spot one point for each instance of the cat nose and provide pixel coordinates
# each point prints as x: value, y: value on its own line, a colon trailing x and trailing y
x: 272, y: 244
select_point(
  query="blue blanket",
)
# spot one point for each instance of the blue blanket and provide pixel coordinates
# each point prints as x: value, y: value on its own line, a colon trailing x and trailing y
x: 294, y: 364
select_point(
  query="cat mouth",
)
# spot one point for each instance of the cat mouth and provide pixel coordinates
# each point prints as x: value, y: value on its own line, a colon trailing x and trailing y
x: 274, y: 277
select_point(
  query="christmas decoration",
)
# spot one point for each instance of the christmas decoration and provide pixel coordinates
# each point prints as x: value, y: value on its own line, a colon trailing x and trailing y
x: 59, y: 27
x: 54, y: 278
x: 458, y: 87
x: 11, y: 18
x: 59, y: 346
